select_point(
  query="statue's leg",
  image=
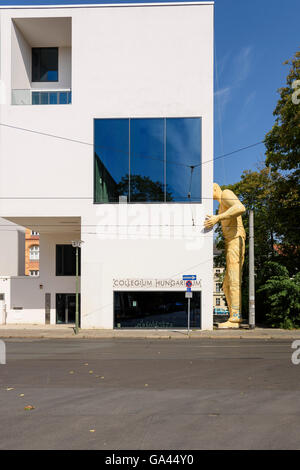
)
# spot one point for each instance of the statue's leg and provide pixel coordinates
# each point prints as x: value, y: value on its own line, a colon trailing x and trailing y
x: 234, y: 262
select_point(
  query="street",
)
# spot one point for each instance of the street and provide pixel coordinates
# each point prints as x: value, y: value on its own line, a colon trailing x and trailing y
x: 149, y: 394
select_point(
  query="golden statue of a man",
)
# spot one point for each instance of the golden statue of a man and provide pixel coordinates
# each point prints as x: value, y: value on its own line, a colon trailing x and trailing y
x: 230, y: 215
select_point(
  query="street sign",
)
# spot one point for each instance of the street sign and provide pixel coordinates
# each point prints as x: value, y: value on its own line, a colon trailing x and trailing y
x: 188, y: 283
x: 189, y: 295
x: 189, y: 277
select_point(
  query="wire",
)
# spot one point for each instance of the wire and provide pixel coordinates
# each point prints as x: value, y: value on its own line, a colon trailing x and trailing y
x: 140, y: 156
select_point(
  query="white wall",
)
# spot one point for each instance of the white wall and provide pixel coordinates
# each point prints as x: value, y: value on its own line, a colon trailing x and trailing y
x: 21, y: 60
x: 127, y: 61
x: 12, y: 249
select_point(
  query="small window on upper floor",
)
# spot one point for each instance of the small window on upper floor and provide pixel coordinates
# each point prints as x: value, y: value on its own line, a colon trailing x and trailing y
x: 45, y: 64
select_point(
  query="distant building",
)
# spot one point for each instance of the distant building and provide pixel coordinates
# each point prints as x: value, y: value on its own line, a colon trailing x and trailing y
x: 32, y: 253
x: 219, y: 300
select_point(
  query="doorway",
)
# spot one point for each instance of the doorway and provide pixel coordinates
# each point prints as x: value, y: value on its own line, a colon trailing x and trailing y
x: 66, y: 308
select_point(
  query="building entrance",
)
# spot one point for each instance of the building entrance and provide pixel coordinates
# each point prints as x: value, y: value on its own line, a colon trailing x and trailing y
x: 66, y: 308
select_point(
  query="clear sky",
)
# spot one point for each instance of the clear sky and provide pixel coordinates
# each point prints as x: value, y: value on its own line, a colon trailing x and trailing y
x: 252, y: 40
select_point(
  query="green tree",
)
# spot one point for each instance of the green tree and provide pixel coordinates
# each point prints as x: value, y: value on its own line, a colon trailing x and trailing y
x: 143, y: 189
x: 281, y: 295
x: 283, y: 155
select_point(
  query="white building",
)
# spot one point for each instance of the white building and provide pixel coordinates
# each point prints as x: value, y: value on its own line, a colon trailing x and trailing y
x: 107, y: 110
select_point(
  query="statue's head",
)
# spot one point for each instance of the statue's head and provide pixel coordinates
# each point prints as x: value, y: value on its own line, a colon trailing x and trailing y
x: 217, y: 192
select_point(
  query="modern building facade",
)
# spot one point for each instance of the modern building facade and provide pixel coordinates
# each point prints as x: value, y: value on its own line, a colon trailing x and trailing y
x: 113, y: 107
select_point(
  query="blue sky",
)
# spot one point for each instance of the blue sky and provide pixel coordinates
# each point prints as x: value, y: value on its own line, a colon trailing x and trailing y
x: 252, y: 40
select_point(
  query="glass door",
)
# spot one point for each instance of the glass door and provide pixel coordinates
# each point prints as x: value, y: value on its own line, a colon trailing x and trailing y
x: 66, y: 308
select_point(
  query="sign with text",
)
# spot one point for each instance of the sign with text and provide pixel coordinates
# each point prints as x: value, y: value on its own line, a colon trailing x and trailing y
x: 155, y: 284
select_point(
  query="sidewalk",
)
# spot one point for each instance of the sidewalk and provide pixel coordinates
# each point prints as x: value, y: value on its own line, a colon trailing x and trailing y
x: 66, y: 331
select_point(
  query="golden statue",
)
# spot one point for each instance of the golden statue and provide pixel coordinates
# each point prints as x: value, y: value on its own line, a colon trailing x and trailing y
x: 230, y: 215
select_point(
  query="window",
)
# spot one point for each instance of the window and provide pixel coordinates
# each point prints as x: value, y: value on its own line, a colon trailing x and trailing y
x: 51, y: 97
x: 218, y: 301
x: 147, y: 160
x: 44, y: 64
x: 34, y: 233
x: 165, y: 309
x: 34, y: 273
x: 66, y: 260
x: 34, y: 253
x: 218, y: 271
x: 218, y: 287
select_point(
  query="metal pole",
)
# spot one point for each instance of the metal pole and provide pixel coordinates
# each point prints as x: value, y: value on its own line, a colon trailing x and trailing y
x: 77, y: 313
x: 189, y: 314
x: 251, y: 272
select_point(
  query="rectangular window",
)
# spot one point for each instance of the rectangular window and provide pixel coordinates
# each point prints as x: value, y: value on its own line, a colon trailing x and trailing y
x: 165, y: 309
x: 45, y: 64
x: 66, y: 260
x: 34, y: 273
x: 218, y: 301
x: 147, y: 160
x: 218, y: 287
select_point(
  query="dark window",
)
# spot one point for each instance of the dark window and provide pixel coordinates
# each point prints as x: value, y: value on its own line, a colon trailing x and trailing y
x: 218, y: 301
x: 147, y: 160
x: 66, y: 260
x: 155, y: 310
x: 44, y: 64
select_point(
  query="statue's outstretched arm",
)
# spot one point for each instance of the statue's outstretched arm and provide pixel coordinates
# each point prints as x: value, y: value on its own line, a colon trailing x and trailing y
x: 235, y: 207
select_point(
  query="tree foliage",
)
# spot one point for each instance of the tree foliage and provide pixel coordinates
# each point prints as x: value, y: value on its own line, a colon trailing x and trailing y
x: 283, y: 154
x: 281, y: 295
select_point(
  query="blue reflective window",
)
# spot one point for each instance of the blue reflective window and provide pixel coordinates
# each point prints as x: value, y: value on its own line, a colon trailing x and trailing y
x: 35, y: 97
x: 63, y: 97
x: 111, y: 146
x: 183, y: 158
x: 44, y: 97
x: 147, y: 159
x: 53, y: 97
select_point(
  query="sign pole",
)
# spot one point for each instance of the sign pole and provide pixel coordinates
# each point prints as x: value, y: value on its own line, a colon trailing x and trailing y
x: 189, y: 314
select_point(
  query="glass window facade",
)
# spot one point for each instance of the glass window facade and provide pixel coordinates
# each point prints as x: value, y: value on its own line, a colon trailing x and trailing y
x: 66, y: 260
x: 44, y: 64
x: 166, y: 309
x: 51, y: 97
x: 147, y: 160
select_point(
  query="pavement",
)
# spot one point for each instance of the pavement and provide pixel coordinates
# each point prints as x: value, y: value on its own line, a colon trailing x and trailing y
x: 67, y: 331
x: 132, y: 394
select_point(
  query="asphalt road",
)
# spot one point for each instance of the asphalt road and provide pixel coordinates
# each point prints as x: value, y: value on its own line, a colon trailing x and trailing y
x: 141, y: 394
